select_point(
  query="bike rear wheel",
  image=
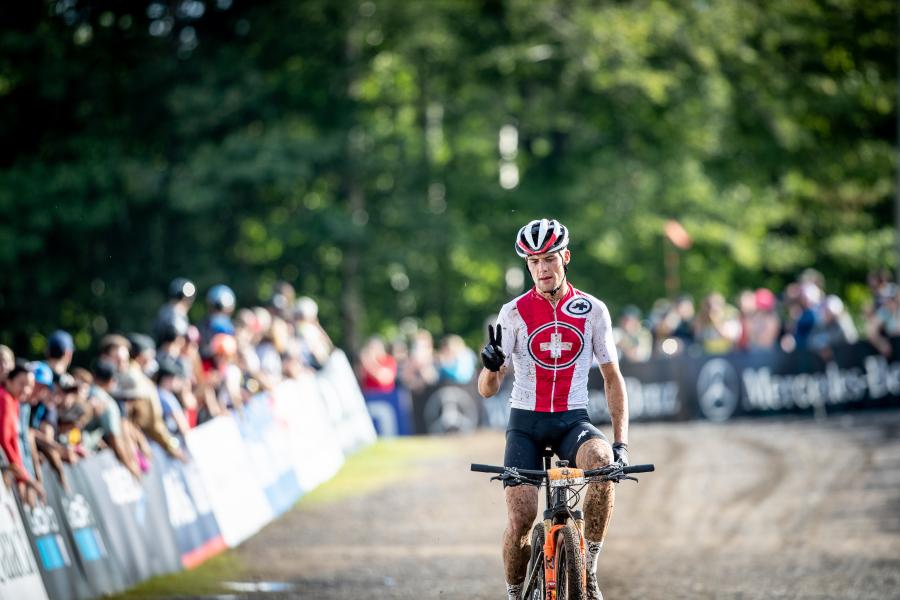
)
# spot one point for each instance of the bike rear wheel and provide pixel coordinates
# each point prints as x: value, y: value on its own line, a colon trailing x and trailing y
x: 569, y: 565
x: 534, y: 579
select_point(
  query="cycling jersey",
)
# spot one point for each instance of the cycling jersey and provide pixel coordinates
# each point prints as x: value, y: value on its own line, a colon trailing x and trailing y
x: 552, y: 348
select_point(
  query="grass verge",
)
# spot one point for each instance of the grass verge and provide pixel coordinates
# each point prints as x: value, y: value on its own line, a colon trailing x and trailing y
x: 370, y: 469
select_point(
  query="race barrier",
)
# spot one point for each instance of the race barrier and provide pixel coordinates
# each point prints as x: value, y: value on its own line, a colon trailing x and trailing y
x: 107, y: 531
x: 711, y: 387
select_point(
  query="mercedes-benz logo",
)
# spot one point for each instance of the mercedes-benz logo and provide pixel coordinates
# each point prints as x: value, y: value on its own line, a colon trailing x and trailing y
x: 450, y: 409
x: 718, y: 390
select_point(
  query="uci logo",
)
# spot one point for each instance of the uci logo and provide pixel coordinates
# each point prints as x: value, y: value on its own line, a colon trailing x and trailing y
x: 577, y: 307
x: 555, y: 345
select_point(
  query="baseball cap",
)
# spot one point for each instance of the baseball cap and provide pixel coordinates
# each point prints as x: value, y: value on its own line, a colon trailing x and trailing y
x: 221, y: 324
x: 43, y: 374
x: 59, y: 343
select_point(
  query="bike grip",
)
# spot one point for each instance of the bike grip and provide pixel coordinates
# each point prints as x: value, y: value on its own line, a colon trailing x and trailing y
x: 638, y: 469
x: 487, y: 468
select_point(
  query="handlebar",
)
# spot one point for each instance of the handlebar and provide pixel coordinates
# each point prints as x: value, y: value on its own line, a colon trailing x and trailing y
x: 530, y: 473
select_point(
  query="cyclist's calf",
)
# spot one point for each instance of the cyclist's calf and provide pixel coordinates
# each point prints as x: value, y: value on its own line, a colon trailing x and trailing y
x: 521, y: 511
x: 599, y: 500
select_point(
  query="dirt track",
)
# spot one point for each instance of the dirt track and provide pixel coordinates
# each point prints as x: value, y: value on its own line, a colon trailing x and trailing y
x: 756, y: 509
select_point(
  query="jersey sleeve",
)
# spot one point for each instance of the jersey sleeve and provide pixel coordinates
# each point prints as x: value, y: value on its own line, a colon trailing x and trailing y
x: 604, y: 344
x: 505, y: 320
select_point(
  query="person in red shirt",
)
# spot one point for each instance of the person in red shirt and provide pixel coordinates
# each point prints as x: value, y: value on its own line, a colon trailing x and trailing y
x: 18, y: 384
x: 378, y: 368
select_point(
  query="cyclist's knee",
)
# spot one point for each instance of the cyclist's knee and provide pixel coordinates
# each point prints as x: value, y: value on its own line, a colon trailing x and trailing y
x: 594, y: 454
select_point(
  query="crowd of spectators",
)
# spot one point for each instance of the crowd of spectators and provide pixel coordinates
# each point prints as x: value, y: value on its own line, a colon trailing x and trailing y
x: 141, y: 387
x: 413, y: 362
x: 802, y: 316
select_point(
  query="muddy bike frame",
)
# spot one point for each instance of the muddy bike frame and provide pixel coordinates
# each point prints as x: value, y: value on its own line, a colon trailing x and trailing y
x: 563, y: 487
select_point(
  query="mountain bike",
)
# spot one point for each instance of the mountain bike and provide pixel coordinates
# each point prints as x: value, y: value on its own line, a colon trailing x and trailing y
x: 556, y: 568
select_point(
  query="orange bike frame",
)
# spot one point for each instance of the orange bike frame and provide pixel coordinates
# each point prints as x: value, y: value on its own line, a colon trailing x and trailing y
x: 551, y: 534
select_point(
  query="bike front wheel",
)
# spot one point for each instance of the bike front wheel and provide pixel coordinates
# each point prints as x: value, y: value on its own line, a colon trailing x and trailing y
x: 534, y: 580
x: 570, y: 584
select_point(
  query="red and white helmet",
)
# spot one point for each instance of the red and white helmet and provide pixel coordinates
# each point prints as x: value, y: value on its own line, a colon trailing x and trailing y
x: 542, y: 237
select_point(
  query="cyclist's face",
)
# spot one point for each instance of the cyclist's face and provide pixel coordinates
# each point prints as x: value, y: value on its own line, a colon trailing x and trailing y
x: 547, y: 269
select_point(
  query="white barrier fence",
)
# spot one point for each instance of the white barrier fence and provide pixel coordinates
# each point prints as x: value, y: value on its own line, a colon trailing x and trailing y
x: 245, y: 470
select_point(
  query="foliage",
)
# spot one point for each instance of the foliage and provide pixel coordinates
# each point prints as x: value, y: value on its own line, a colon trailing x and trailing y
x: 352, y: 148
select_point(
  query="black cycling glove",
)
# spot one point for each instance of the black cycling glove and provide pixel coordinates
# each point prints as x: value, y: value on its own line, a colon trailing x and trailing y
x: 620, y: 453
x: 492, y: 356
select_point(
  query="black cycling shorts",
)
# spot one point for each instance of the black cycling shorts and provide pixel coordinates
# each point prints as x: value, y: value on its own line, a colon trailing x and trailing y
x: 529, y: 432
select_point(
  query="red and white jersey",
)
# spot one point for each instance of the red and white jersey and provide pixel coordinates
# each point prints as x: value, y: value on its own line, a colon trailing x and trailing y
x: 552, y: 348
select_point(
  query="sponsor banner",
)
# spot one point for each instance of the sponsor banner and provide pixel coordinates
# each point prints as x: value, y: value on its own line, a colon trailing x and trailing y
x: 19, y: 573
x: 84, y: 529
x: 227, y: 473
x: 654, y: 389
x: 189, y: 509
x: 313, y: 445
x: 53, y: 549
x: 390, y: 412
x: 719, y: 387
x: 848, y: 378
x: 345, y: 403
x: 268, y: 449
x: 133, y: 515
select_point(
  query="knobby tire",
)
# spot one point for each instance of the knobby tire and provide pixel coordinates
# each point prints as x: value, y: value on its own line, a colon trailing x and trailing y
x: 569, y: 565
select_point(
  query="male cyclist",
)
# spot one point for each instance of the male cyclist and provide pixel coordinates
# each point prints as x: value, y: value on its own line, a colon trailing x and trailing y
x: 552, y: 332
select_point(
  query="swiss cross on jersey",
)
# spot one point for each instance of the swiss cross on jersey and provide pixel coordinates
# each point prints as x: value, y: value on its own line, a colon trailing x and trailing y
x: 555, y: 345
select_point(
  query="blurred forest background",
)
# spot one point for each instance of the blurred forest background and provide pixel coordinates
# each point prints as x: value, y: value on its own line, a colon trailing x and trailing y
x: 381, y: 154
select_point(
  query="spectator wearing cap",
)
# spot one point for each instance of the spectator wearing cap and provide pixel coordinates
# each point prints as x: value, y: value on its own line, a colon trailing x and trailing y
x: 175, y: 312
x: 60, y: 348
x: 140, y: 396
x: 220, y: 304
x: 13, y: 392
x: 104, y: 424
x: 43, y: 419
x: 7, y: 362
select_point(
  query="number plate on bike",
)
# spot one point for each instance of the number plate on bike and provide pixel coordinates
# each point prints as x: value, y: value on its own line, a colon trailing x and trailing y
x: 565, y: 477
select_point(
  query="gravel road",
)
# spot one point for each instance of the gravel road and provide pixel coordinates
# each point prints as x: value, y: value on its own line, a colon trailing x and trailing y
x: 755, y: 509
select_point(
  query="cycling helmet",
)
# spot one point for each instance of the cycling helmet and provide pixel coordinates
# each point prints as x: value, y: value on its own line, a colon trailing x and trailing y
x: 182, y: 288
x: 542, y: 237
x: 221, y: 298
